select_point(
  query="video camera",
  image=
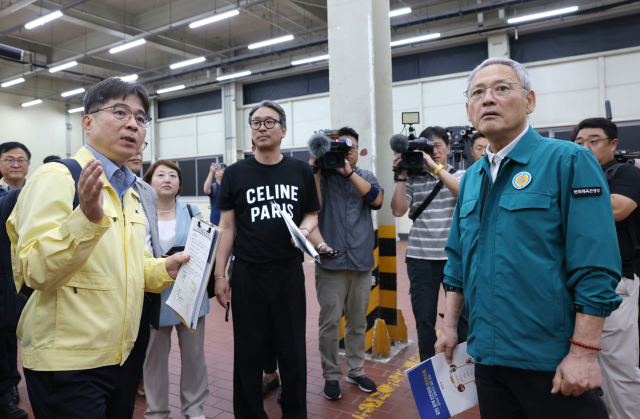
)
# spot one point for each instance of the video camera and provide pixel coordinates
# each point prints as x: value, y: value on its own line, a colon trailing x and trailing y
x: 457, y: 137
x: 411, y: 147
x: 621, y: 156
x: 329, y: 149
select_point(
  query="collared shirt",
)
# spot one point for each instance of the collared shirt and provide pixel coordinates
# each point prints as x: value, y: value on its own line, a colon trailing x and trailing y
x: 496, y: 158
x: 428, y: 234
x: 535, y: 254
x: 5, y: 186
x: 345, y: 222
x: 120, y: 178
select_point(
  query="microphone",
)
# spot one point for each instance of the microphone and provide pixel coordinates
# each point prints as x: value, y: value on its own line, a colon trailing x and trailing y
x: 319, y: 145
x: 399, y: 143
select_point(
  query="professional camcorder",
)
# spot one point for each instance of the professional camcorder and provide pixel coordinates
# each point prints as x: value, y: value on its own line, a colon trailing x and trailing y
x: 411, y: 147
x: 329, y: 149
x: 457, y: 137
x: 621, y: 156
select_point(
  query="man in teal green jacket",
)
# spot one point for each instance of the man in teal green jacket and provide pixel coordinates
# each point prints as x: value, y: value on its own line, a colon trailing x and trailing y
x: 533, y: 251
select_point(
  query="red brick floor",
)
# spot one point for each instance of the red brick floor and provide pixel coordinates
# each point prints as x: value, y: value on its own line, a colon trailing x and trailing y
x: 392, y: 401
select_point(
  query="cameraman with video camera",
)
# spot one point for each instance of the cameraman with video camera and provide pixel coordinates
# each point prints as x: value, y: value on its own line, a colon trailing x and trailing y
x: 347, y: 195
x: 431, y: 197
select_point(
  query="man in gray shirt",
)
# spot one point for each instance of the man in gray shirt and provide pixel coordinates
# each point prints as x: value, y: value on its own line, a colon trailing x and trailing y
x: 347, y: 196
x: 428, y: 235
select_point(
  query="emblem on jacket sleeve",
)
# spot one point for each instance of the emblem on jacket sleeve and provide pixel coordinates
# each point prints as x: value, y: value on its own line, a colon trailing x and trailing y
x: 521, y: 180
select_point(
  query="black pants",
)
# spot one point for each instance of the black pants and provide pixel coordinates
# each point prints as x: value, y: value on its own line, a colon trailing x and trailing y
x: 9, y: 375
x: 269, y: 299
x: 81, y: 394
x: 425, y: 277
x: 128, y: 387
x: 270, y: 364
x: 513, y: 393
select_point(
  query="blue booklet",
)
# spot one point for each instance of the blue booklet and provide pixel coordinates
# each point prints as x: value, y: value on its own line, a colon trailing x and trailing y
x: 442, y: 390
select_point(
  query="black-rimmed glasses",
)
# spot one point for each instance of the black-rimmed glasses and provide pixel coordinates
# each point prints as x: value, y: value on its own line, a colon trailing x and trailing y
x: 11, y: 162
x: 124, y: 114
x: 500, y: 90
x: 590, y: 143
x: 268, y: 123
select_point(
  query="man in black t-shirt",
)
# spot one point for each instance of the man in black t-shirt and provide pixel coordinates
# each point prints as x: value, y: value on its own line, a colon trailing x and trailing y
x: 268, y: 280
x: 619, y: 356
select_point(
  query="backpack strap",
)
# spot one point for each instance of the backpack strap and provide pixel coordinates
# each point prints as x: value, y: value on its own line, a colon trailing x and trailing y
x: 190, y: 210
x: 427, y: 201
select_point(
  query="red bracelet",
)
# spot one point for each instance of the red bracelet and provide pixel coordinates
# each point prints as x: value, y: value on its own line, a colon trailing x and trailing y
x: 595, y: 348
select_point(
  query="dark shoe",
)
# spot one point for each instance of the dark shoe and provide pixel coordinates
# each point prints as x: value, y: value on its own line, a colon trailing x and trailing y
x: 364, y: 383
x: 15, y: 394
x: 269, y: 386
x: 11, y: 411
x: 332, y: 390
x: 280, y: 396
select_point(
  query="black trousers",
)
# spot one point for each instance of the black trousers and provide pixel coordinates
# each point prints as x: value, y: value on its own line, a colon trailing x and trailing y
x: 513, y: 393
x: 9, y: 375
x: 270, y: 364
x: 128, y: 385
x: 269, y: 299
x: 78, y: 394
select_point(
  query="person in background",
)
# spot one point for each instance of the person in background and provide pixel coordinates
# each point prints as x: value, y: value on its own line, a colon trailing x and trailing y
x: 174, y: 220
x: 50, y: 159
x: 479, y: 145
x: 14, y: 166
x: 211, y: 189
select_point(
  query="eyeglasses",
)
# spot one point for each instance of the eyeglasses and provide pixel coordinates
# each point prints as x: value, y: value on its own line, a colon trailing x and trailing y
x: 268, y: 123
x: 500, y: 91
x: 123, y: 114
x: 354, y: 149
x: 10, y: 162
x: 590, y: 143
x: 144, y: 145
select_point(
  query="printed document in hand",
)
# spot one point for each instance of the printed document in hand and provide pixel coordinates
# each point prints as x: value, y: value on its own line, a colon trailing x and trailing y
x: 191, y: 283
x: 298, y: 238
x: 443, y: 390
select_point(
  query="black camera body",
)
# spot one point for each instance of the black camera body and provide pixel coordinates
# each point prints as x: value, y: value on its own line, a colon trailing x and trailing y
x: 412, y: 158
x: 329, y: 149
x: 626, y: 156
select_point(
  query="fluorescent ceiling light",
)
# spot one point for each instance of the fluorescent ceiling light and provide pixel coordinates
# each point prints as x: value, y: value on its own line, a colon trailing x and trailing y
x: 188, y: 62
x: 544, y: 14
x: 62, y: 67
x: 81, y: 109
x: 214, y: 18
x: 310, y: 60
x: 12, y: 82
x: 33, y: 102
x: 170, y: 89
x: 127, y: 46
x: 234, y: 75
x: 42, y: 20
x: 131, y: 77
x: 271, y: 42
x: 73, y: 92
x: 416, y: 39
x: 399, y: 12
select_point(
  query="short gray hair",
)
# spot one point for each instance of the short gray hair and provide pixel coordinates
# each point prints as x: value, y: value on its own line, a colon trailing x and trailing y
x: 520, y: 70
x: 273, y: 105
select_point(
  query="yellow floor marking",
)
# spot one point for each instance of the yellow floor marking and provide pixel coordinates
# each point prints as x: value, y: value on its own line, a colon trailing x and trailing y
x: 377, y: 399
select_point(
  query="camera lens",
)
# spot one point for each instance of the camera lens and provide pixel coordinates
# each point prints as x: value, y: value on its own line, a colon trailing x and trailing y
x: 413, y: 160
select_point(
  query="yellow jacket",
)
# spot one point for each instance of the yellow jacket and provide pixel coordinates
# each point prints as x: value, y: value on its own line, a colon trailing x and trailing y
x: 89, y: 279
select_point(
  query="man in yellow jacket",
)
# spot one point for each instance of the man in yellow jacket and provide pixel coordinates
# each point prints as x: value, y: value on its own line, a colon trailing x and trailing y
x: 89, y: 266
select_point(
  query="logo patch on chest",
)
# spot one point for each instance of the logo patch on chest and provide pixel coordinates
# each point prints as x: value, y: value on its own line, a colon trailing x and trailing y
x: 521, y: 180
x: 592, y: 191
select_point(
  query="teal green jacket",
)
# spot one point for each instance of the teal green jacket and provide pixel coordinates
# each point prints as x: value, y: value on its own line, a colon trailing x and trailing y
x: 546, y: 244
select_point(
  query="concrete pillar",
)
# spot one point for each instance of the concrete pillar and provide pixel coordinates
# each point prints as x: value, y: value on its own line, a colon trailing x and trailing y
x: 499, y: 45
x: 360, y: 86
x: 229, y: 118
x: 152, y: 153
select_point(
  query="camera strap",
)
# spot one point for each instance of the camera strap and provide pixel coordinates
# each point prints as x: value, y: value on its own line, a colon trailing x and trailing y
x: 426, y: 202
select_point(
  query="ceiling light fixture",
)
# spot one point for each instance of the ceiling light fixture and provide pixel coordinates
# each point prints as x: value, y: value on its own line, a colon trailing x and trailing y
x: 541, y: 15
x: 12, y: 82
x: 62, y: 67
x: 127, y: 46
x: 234, y: 75
x: 399, y: 12
x: 214, y: 18
x: 81, y: 109
x: 416, y: 39
x: 33, y: 102
x: 271, y: 42
x: 44, y: 19
x: 170, y: 89
x: 72, y: 92
x: 310, y: 60
x: 131, y: 77
x: 188, y: 62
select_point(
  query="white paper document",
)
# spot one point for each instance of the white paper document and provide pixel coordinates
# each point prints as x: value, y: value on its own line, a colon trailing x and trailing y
x: 191, y: 283
x: 298, y: 238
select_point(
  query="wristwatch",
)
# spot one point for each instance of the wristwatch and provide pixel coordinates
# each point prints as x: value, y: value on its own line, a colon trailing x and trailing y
x: 320, y: 245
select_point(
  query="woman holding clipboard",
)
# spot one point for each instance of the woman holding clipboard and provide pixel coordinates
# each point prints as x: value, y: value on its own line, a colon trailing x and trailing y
x: 174, y: 219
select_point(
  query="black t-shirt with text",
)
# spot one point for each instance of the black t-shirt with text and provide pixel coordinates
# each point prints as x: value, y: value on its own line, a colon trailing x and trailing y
x: 248, y: 187
x: 626, y: 182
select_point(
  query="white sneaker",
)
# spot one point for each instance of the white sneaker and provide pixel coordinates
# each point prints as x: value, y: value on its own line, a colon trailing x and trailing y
x: 197, y: 417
